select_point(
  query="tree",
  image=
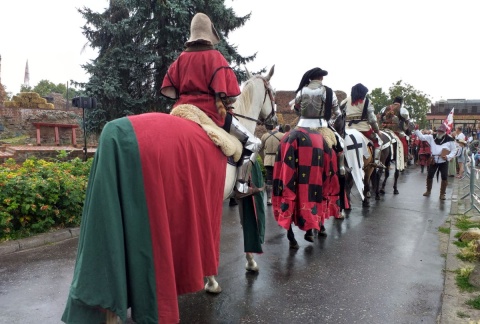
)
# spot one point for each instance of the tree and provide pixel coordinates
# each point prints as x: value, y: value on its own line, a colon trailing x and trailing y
x: 415, y: 101
x: 25, y: 88
x: 3, y: 94
x: 379, y: 99
x: 45, y: 87
x: 137, y: 40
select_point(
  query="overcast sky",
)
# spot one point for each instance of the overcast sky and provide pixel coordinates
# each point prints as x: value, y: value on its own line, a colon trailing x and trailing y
x: 431, y: 45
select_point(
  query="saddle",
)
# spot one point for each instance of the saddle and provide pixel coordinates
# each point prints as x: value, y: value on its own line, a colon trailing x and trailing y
x: 228, y: 144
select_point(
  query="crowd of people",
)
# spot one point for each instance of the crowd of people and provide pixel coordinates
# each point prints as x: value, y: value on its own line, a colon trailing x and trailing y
x: 214, y: 88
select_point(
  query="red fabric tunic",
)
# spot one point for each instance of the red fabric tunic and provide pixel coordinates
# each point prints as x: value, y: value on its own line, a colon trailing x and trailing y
x: 197, y: 76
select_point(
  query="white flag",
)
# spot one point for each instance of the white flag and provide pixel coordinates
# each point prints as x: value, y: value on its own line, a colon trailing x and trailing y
x: 448, y: 122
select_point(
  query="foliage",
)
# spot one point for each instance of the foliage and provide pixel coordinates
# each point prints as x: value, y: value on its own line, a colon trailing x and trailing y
x: 462, y: 279
x: 469, y: 252
x: 37, y: 196
x: 379, y: 99
x: 137, y: 41
x: 45, y: 87
x: 416, y: 102
x: 474, y: 302
x: 25, y: 88
x: 464, y: 223
x: 444, y: 230
x: 3, y: 94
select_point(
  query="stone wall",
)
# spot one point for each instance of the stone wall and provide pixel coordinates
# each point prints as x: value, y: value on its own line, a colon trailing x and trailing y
x: 15, y: 122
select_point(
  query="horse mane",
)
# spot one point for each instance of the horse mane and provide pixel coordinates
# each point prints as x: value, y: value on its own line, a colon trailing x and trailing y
x: 243, y: 103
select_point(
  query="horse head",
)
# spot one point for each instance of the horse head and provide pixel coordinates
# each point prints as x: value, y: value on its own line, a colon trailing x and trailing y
x: 256, y: 103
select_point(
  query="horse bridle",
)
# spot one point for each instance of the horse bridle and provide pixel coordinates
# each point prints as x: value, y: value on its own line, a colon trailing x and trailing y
x: 269, y: 93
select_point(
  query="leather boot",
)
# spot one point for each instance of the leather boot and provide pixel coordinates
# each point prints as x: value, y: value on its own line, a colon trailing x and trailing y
x: 443, y: 189
x: 429, y: 187
x: 269, y: 194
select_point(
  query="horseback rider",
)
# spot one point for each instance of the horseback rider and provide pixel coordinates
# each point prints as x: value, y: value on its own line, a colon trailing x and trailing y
x: 201, y: 76
x: 396, y: 118
x: 270, y: 141
x: 316, y: 104
x: 298, y: 196
x: 360, y: 115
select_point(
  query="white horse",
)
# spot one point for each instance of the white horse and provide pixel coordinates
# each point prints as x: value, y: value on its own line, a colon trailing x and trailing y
x: 162, y: 153
x: 251, y: 103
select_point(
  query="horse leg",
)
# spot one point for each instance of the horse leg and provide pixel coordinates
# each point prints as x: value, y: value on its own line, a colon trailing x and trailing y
x: 212, y: 285
x: 342, y: 195
x: 396, y: 174
x: 111, y: 317
x: 251, y: 264
x: 384, y: 182
x: 291, y: 238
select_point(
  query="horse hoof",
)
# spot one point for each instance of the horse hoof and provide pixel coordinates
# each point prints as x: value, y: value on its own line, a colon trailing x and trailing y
x: 213, y: 289
x: 251, y: 267
x: 377, y: 197
x: 395, y: 192
x: 294, y: 245
x: 365, y: 204
x: 382, y: 191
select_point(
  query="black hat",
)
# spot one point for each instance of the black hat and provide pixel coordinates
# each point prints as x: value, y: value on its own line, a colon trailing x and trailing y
x: 398, y: 99
x: 310, y: 75
x: 359, y: 91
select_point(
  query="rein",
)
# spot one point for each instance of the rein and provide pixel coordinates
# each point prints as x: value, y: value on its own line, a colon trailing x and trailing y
x: 269, y: 93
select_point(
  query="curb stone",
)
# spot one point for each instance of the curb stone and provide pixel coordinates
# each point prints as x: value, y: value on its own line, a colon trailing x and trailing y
x: 454, y: 308
x: 38, y: 240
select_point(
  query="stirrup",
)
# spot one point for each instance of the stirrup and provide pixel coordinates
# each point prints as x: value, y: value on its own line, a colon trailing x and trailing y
x: 379, y: 165
x: 252, y: 190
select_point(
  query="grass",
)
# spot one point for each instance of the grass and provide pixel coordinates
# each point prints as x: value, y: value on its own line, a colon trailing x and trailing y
x: 474, y: 302
x: 462, y: 280
x: 15, y: 140
x: 464, y: 223
x: 444, y: 230
x: 462, y: 314
x: 460, y: 244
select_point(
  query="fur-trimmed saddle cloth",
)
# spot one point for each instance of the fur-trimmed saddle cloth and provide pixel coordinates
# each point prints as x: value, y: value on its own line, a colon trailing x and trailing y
x: 229, y: 144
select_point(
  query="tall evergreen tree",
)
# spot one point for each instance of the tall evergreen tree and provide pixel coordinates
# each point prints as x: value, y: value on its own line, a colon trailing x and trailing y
x: 137, y: 40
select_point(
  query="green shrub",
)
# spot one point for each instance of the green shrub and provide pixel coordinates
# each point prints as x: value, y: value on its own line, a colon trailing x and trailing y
x: 37, y: 196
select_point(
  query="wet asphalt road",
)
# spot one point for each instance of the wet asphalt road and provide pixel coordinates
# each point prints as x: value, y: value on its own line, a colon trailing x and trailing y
x: 381, y: 264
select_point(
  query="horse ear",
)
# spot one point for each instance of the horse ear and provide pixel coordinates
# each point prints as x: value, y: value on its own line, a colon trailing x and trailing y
x: 270, y: 73
x: 249, y: 75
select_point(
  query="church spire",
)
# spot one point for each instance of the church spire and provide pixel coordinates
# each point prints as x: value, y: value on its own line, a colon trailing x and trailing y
x: 26, y: 79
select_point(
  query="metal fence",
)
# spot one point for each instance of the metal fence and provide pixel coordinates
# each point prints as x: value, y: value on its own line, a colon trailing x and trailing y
x: 473, y: 174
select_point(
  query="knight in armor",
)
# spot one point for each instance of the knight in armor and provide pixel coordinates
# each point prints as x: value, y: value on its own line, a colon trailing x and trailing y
x: 201, y: 76
x: 305, y: 179
x: 316, y: 104
x: 360, y: 115
x: 396, y: 118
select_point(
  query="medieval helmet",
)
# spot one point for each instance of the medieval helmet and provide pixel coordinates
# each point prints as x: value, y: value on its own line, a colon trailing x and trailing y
x: 202, y: 31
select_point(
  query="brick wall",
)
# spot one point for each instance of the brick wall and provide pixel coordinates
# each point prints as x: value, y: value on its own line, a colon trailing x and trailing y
x: 16, y: 122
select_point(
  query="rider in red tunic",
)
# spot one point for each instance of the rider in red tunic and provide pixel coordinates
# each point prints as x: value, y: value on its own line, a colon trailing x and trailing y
x: 201, y: 76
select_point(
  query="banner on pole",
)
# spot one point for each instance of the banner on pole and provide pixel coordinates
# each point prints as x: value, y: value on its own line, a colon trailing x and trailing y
x: 448, y: 122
